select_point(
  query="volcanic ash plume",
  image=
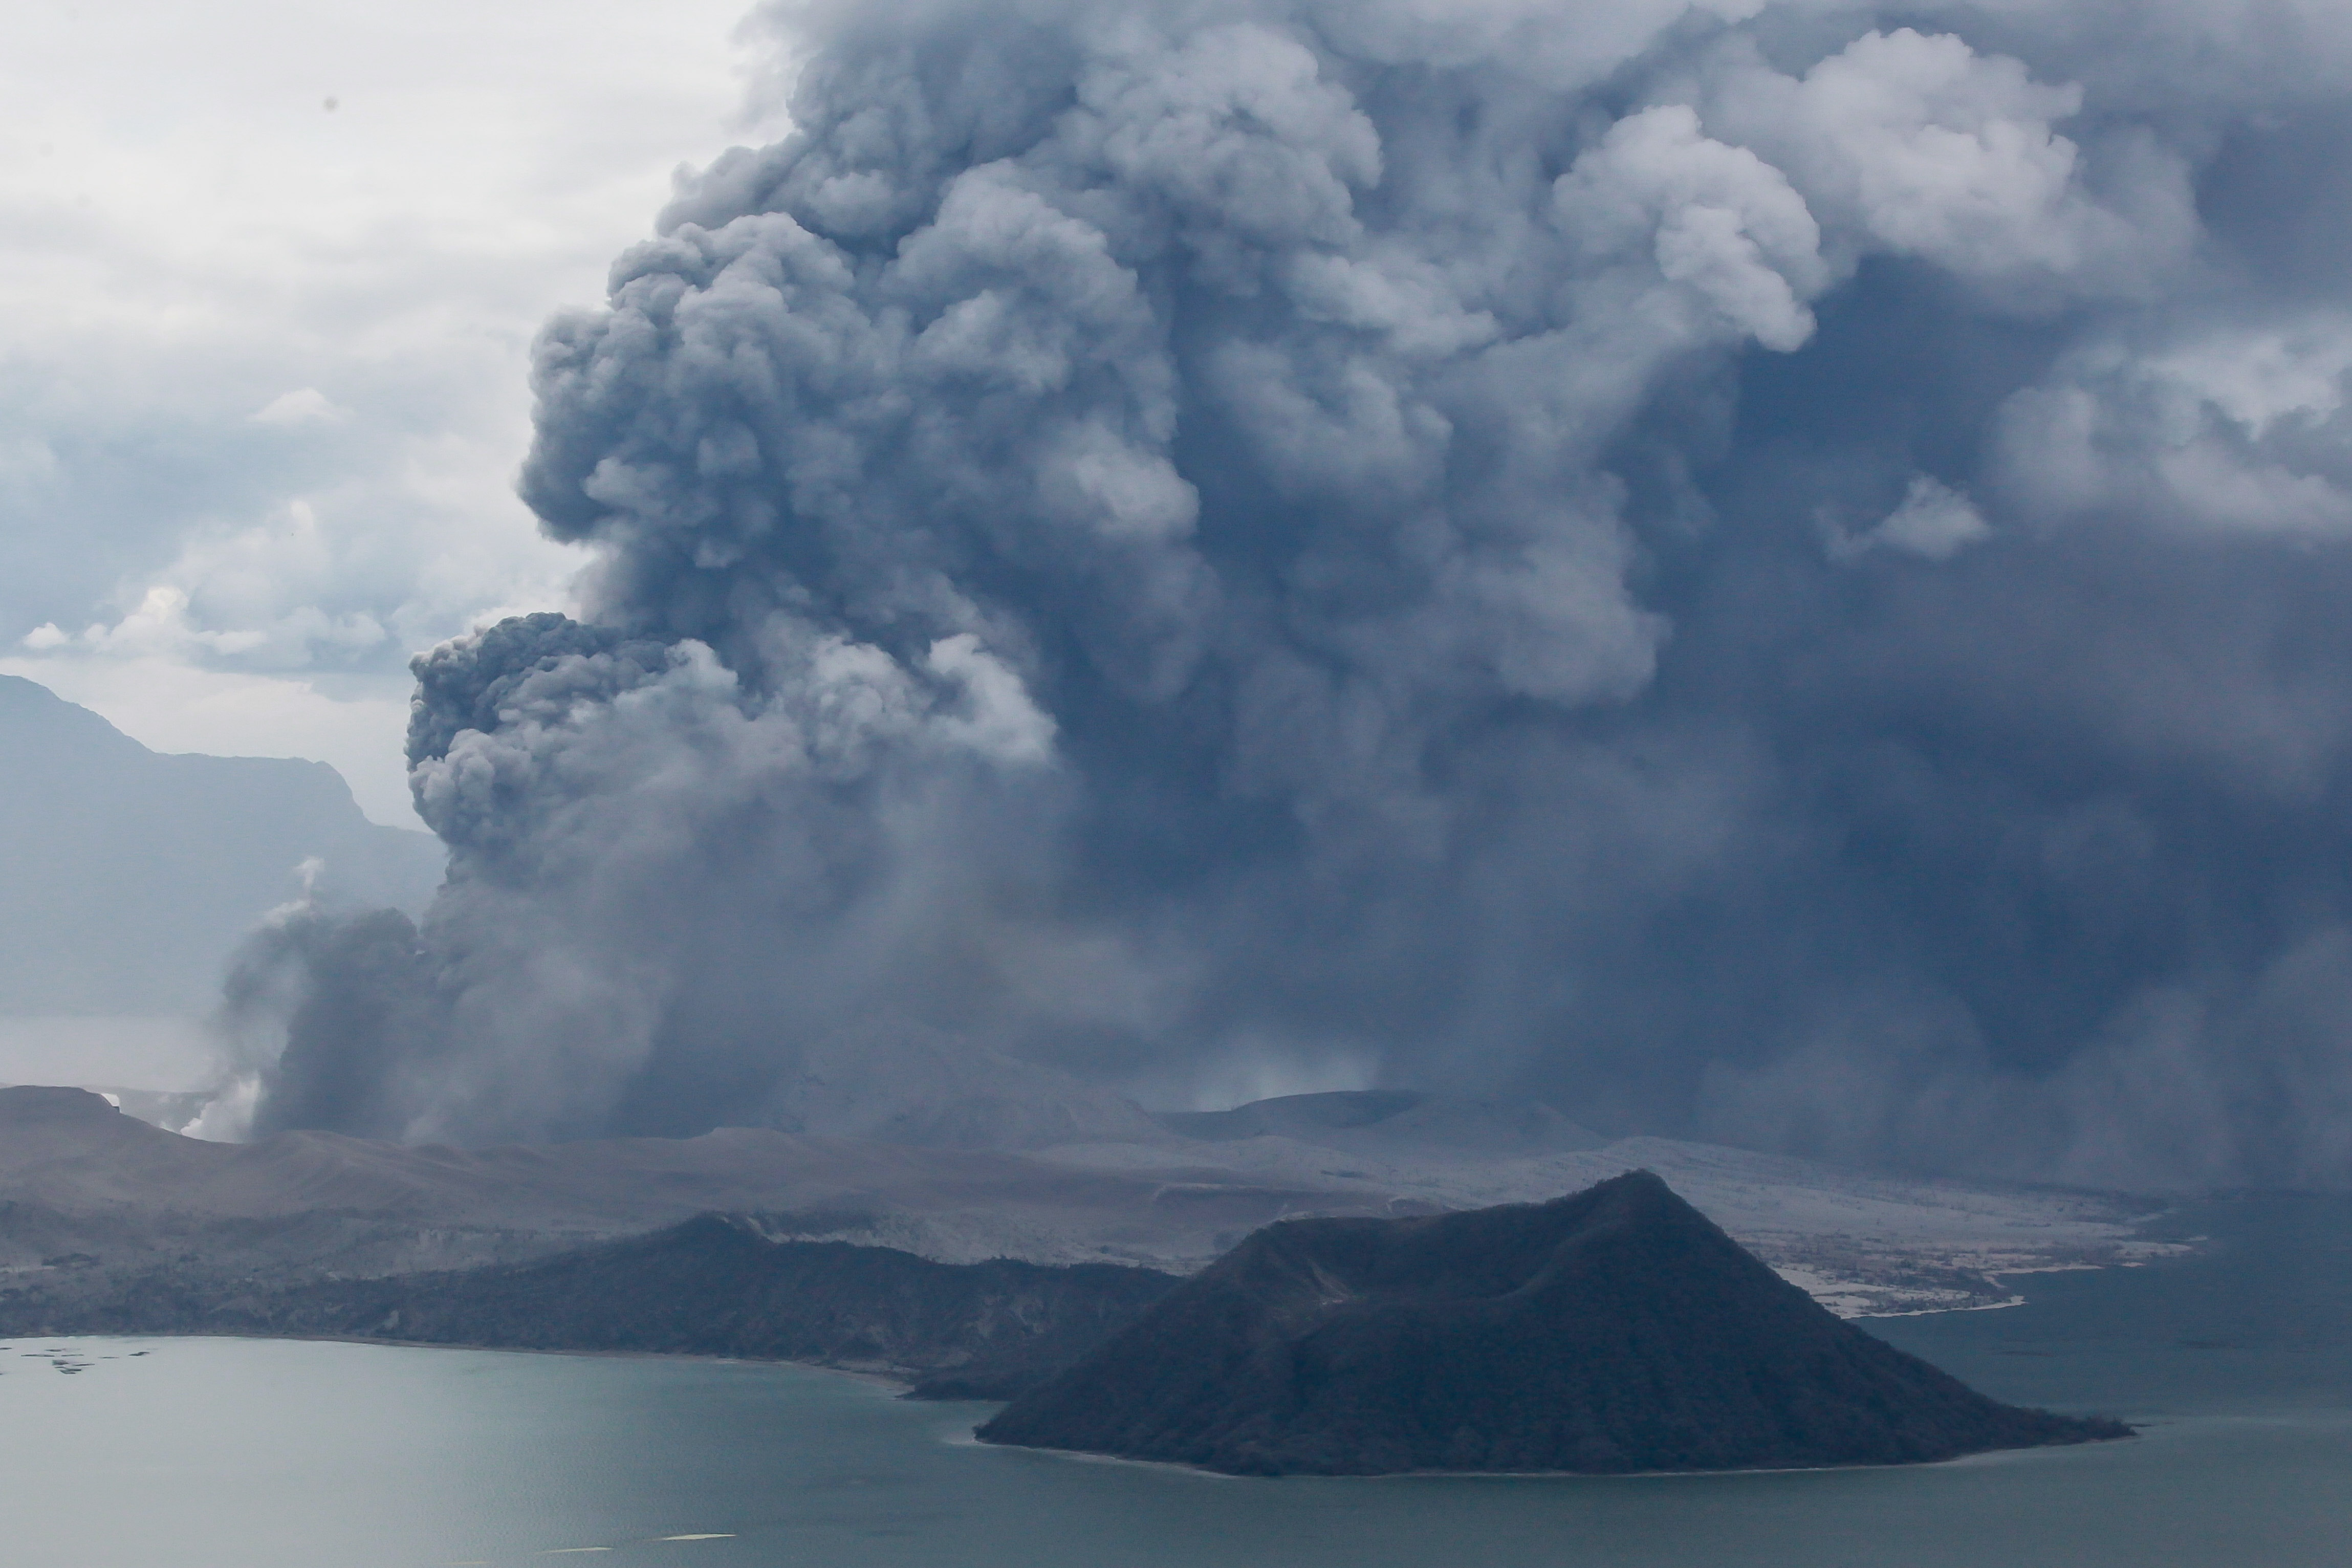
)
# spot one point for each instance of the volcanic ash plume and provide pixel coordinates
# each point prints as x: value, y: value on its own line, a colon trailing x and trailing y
x: 1763, y: 571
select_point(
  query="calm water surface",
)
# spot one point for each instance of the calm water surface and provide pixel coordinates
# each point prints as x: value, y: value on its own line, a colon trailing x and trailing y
x: 268, y: 1453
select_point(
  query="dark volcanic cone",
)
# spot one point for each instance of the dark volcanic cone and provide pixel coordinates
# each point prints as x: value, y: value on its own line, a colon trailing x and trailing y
x: 1611, y: 1330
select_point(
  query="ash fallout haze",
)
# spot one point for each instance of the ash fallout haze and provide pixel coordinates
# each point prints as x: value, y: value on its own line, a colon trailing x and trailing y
x: 1773, y: 573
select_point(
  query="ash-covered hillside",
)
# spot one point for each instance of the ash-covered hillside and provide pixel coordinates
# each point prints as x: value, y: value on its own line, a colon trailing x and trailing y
x: 80, y: 1176
x: 1617, y: 1330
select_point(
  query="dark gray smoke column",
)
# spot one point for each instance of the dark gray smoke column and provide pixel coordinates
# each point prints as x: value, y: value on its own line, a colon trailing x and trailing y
x: 1759, y: 570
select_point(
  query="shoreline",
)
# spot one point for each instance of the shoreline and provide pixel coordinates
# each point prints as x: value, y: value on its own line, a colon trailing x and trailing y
x: 879, y: 1379
x: 898, y: 1387
x: 901, y: 1385
x: 1939, y: 1312
x: 1082, y: 1455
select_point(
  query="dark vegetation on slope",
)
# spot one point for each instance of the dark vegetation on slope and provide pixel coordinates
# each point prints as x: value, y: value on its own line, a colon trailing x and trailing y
x: 711, y: 1286
x: 1616, y: 1330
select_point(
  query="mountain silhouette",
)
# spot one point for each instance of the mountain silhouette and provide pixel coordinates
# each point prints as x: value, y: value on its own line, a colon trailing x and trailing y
x: 1616, y: 1330
x: 131, y: 875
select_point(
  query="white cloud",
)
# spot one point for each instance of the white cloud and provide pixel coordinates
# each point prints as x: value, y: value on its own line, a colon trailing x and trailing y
x: 1003, y: 723
x: 304, y: 406
x: 1934, y: 523
x: 1917, y: 145
x: 2290, y: 374
x: 2239, y: 429
x: 199, y: 249
x: 1716, y: 221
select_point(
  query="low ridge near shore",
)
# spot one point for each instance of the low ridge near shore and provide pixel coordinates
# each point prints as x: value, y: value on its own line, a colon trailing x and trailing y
x: 711, y: 1286
x: 1614, y: 1331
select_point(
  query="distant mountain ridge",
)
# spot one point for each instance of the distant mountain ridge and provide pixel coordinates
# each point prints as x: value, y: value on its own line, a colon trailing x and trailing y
x: 1613, y: 1331
x: 127, y: 877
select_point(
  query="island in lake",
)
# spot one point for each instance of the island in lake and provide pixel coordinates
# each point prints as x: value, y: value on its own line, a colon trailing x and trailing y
x: 1617, y: 1330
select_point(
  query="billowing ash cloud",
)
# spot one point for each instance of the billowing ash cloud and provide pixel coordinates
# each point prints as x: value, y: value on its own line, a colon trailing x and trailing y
x: 1770, y: 571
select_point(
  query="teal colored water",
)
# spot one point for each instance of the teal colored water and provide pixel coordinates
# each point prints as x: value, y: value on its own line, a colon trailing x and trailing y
x: 262, y: 1454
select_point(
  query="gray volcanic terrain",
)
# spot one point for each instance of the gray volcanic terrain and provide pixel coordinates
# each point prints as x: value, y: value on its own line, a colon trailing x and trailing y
x: 68, y: 1155
x: 91, y: 1195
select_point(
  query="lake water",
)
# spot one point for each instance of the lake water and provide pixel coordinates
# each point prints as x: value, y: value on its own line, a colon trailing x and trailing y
x: 271, y: 1454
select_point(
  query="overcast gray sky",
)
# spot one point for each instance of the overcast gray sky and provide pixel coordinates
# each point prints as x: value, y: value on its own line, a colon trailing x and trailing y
x: 271, y: 275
